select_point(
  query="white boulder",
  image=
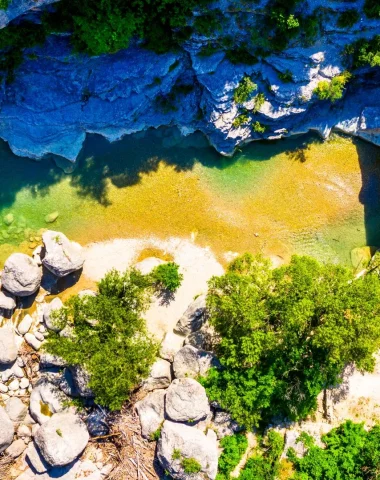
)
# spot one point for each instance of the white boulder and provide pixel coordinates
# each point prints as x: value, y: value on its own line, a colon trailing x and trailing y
x: 191, y: 362
x: 186, y: 400
x: 8, y: 345
x: 151, y: 411
x: 60, y: 255
x: 49, y: 312
x: 21, y: 275
x: 45, y: 400
x: 193, y: 318
x: 6, y: 430
x: 16, y: 409
x: 160, y: 376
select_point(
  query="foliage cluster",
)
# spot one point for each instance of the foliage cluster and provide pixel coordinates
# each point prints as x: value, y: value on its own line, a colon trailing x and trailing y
x: 334, y: 89
x: 240, y: 120
x: 350, y: 452
x: 286, y: 76
x: 233, y: 447
x: 258, y: 127
x: 190, y: 466
x: 372, y: 8
x: 264, y: 464
x: 364, y: 52
x: 108, y: 336
x: 287, y: 333
x: 167, y: 276
x: 348, y: 18
x: 244, y: 90
x: 4, y: 4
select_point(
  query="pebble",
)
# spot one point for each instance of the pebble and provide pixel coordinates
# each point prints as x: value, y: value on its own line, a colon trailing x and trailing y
x: 20, y: 362
x: 4, y: 397
x: 24, y: 431
x: 42, y: 329
x: 14, y: 385
x: 3, y: 388
x: 22, y: 391
x: 24, y: 383
x: 32, y: 341
x: 35, y: 428
x: 18, y: 371
x: 25, y: 324
x: 6, y: 375
x: 39, y: 336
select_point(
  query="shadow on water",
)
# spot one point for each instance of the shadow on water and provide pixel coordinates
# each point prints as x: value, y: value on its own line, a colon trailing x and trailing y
x: 124, y: 162
x: 369, y: 196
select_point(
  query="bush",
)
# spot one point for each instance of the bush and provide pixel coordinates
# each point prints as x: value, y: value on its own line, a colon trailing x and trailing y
x: 286, y: 334
x: 241, y: 55
x: 234, y: 448
x: 332, y: 90
x: 109, y: 337
x: 258, y: 127
x: 258, y: 102
x: 240, y: 120
x: 348, y: 18
x: 167, y: 276
x: 372, y: 8
x: 244, y: 90
x: 4, y: 4
x: 364, y: 52
x: 190, y: 465
x: 350, y: 452
x: 286, y: 76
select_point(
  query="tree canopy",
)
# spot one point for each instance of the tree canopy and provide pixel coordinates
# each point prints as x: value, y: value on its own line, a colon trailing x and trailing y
x: 108, y: 336
x: 285, y: 334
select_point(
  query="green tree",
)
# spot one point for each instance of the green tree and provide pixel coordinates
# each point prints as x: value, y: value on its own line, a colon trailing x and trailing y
x: 108, y: 336
x: 167, y: 276
x: 332, y: 90
x: 234, y: 447
x: 244, y: 90
x: 285, y: 334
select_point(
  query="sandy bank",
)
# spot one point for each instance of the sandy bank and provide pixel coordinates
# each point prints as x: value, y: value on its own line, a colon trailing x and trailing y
x: 197, y: 265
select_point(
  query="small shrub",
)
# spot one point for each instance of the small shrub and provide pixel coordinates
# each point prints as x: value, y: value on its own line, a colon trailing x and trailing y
x: 258, y: 127
x: 174, y: 65
x: 372, y: 8
x: 176, y: 455
x: 234, y: 447
x: 332, y: 90
x: 364, y: 52
x: 348, y: 18
x: 167, y: 276
x: 244, y: 90
x: 4, y: 4
x: 208, y: 24
x: 155, y: 436
x: 190, y: 466
x: 241, y: 55
x: 258, y: 102
x: 240, y: 120
x: 286, y: 76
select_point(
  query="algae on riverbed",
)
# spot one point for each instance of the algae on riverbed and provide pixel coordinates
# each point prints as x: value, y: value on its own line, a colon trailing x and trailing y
x: 298, y: 195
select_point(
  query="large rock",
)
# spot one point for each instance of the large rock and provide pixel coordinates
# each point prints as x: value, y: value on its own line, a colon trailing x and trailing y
x: 16, y: 448
x: 193, y: 318
x: 160, y: 376
x: 6, y: 430
x: 186, y: 401
x: 189, y: 442
x: 151, y: 412
x: 170, y: 346
x: 47, y: 360
x: 35, y: 458
x: 61, y: 256
x: 45, y: 400
x: 16, y: 409
x: 50, y: 310
x: 21, y: 275
x: 81, y: 380
x: 62, y: 439
x: 203, y: 339
x: 8, y: 345
x: 7, y: 301
x: 191, y: 362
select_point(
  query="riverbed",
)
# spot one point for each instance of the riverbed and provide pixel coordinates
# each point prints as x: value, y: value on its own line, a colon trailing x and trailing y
x: 299, y: 195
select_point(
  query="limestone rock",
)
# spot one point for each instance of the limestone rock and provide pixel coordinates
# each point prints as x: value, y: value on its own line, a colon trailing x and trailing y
x: 193, y: 318
x: 186, y: 400
x: 160, y: 376
x: 21, y: 275
x: 25, y: 324
x: 203, y: 339
x: 224, y: 425
x: 81, y: 379
x: 61, y: 256
x: 32, y: 341
x: 170, y: 346
x: 35, y: 458
x: 191, y: 443
x: 6, y: 430
x: 48, y: 360
x: 45, y: 400
x: 148, y: 264
x: 191, y: 362
x: 151, y: 412
x: 62, y: 439
x: 8, y: 346
x: 49, y: 309
x: 16, y: 409
x: 7, y: 301
x: 16, y: 448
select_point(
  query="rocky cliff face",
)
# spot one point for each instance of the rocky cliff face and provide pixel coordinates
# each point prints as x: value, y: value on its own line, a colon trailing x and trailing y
x: 57, y: 96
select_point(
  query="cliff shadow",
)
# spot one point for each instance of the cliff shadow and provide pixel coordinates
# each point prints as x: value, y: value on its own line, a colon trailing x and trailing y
x: 369, y: 196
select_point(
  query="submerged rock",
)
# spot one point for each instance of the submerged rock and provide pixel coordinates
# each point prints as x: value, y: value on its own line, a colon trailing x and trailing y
x: 61, y: 256
x: 51, y: 217
x: 21, y: 275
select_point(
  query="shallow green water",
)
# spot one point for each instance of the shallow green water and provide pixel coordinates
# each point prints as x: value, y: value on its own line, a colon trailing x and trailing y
x: 298, y: 195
